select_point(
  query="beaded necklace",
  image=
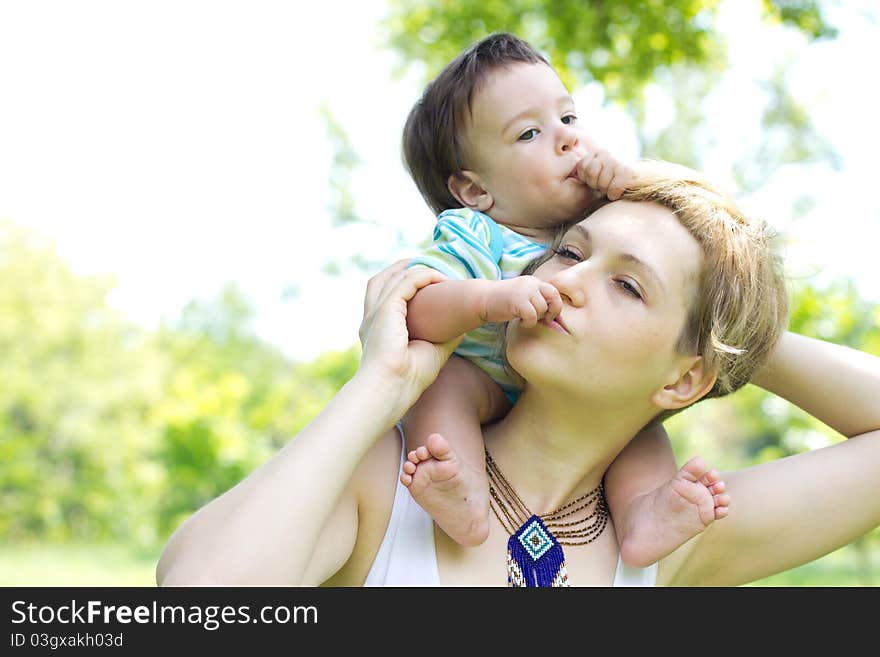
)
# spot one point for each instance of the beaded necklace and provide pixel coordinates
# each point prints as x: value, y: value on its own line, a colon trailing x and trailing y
x: 534, y: 552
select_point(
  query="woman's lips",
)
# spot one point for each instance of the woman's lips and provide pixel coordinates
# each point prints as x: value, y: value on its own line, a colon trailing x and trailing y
x: 555, y: 325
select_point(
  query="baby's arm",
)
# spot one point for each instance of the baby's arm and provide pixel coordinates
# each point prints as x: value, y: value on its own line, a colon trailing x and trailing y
x: 447, y: 477
x: 654, y: 508
x: 445, y: 471
x: 445, y: 310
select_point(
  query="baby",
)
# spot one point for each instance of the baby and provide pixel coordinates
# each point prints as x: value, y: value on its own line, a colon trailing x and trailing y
x: 496, y: 148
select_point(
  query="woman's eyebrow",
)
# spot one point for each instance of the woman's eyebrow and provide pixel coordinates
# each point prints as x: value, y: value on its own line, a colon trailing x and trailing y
x: 643, y: 266
x: 633, y: 260
x: 585, y: 234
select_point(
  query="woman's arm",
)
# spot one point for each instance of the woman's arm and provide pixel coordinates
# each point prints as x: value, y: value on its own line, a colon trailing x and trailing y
x: 270, y: 528
x: 793, y: 510
x: 837, y: 385
x: 266, y: 528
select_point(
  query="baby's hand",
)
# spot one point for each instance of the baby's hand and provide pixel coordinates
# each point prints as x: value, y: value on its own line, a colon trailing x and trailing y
x: 604, y: 173
x: 526, y: 297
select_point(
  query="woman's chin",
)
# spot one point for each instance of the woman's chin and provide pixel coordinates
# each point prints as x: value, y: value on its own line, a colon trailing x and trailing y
x: 533, y: 361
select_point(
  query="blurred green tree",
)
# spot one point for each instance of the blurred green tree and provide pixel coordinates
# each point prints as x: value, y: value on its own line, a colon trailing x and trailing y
x: 621, y: 45
x: 230, y: 401
x: 112, y: 432
x: 78, y: 383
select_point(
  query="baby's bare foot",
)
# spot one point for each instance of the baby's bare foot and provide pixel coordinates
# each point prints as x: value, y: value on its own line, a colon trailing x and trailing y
x: 454, y: 493
x: 674, y: 513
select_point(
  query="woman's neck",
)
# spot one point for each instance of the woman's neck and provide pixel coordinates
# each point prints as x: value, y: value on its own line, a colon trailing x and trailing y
x: 552, y: 452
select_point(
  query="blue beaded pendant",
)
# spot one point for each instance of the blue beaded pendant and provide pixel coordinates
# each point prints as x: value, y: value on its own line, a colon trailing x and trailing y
x: 535, y: 557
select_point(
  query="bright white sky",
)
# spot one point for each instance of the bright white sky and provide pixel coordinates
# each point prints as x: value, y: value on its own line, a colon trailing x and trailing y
x: 177, y: 145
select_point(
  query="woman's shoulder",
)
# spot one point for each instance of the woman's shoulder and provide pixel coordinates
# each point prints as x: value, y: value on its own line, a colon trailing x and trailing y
x: 373, y: 485
x: 379, y: 468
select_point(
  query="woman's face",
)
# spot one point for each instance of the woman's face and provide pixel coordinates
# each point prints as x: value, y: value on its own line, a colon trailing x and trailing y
x: 627, y: 276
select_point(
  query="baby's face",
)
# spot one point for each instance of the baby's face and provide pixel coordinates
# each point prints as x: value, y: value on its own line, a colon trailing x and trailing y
x: 524, y: 142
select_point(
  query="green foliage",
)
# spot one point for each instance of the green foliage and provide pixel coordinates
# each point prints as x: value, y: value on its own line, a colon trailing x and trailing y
x: 682, y: 140
x: 622, y: 45
x: 345, y: 162
x: 342, y: 206
x: 787, y: 137
x: 230, y: 401
x: 619, y: 44
x: 110, y: 432
x: 805, y: 15
x: 334, y: 367
x: 77, y: 564
x: 78, y: 382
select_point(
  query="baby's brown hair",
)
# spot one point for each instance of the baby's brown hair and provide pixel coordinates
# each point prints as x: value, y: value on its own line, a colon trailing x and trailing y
x: 433, y: 144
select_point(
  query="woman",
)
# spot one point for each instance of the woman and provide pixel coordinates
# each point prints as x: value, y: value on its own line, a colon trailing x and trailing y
x: 670, y: 296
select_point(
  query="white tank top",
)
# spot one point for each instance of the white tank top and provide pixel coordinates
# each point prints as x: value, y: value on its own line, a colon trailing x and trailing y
x: 407, y: 555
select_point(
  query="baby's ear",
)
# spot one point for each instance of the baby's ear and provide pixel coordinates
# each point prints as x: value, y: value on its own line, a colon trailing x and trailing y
x: 465, y: 186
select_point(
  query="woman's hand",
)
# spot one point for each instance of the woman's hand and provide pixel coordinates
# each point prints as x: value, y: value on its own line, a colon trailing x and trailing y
x: 387, y: 350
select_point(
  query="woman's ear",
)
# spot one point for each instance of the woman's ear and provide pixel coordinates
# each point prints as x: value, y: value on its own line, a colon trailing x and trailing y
x: 693, y: 382
x: 465, y: 186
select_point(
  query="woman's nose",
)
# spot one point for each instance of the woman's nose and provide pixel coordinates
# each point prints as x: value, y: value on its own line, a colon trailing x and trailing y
x: 570, y: 283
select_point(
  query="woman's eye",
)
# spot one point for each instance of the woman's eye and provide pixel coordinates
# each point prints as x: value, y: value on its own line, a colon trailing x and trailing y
x: 568, y: 119
x: 629, y: 288
x: 528, y: 135
x: 567, y: 254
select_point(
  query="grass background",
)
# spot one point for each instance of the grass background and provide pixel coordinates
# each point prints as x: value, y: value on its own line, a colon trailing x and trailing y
x: 118, y: 565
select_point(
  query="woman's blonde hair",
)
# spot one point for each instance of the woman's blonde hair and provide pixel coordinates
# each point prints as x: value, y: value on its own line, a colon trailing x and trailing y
x: 741, y: 305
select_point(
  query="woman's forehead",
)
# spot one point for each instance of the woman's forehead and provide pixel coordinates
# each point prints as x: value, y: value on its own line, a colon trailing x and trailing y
x: 648, y: 232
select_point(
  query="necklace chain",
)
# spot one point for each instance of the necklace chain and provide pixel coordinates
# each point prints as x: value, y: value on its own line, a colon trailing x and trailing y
x: 512, y: 512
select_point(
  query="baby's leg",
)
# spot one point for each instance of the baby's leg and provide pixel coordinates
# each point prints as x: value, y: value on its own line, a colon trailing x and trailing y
x: 654, y: 508
x: 445, y: 470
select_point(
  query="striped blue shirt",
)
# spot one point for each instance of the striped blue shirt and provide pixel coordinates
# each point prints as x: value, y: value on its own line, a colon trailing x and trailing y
x: 470, y: 244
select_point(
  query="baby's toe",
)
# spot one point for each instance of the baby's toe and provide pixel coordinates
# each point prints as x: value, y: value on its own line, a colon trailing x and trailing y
x: 710, y: 477
x: 717, y: 488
